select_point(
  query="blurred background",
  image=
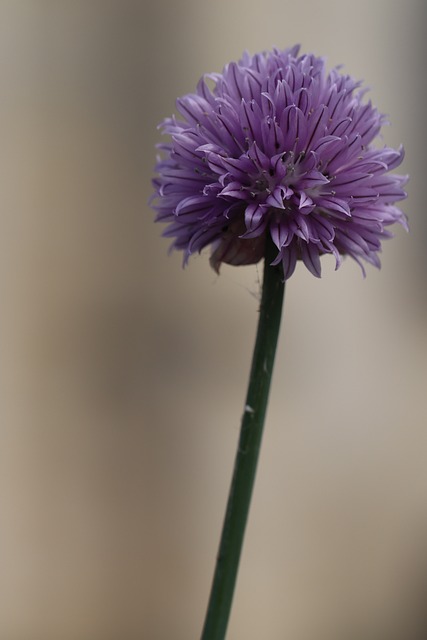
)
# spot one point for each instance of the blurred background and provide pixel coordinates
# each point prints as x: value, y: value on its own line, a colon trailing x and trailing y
x: 123, y: 377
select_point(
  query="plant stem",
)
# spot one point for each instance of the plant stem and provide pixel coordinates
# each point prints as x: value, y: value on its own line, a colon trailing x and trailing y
x: 239, y: 499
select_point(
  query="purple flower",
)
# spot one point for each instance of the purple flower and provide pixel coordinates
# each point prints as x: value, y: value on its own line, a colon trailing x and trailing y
x: 278, y: 146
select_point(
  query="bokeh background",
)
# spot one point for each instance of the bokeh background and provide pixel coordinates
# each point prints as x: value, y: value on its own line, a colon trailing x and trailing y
x: 123, y: 377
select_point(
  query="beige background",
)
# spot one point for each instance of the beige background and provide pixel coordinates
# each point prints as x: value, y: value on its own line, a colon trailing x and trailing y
x: 123, y: 377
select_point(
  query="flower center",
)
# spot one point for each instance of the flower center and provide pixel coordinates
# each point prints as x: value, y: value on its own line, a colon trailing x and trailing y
x: 261, y: 186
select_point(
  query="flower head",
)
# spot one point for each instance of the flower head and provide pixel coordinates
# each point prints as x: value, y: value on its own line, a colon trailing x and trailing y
x: 278, y: 146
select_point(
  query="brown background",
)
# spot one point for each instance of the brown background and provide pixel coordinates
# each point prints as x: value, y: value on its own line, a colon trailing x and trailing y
x: 123, y: 377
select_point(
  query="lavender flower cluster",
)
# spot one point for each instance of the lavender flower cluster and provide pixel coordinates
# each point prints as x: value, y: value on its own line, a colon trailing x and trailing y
x: 278, y: 146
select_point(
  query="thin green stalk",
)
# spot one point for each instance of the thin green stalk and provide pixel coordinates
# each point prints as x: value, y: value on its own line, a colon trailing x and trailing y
x: 239, y: 499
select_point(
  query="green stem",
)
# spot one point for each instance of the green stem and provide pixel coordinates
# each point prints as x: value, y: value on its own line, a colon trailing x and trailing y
x: 248, y: 451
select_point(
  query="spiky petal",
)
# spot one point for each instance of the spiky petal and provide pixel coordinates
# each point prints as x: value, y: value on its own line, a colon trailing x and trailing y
x: 281, y: 147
